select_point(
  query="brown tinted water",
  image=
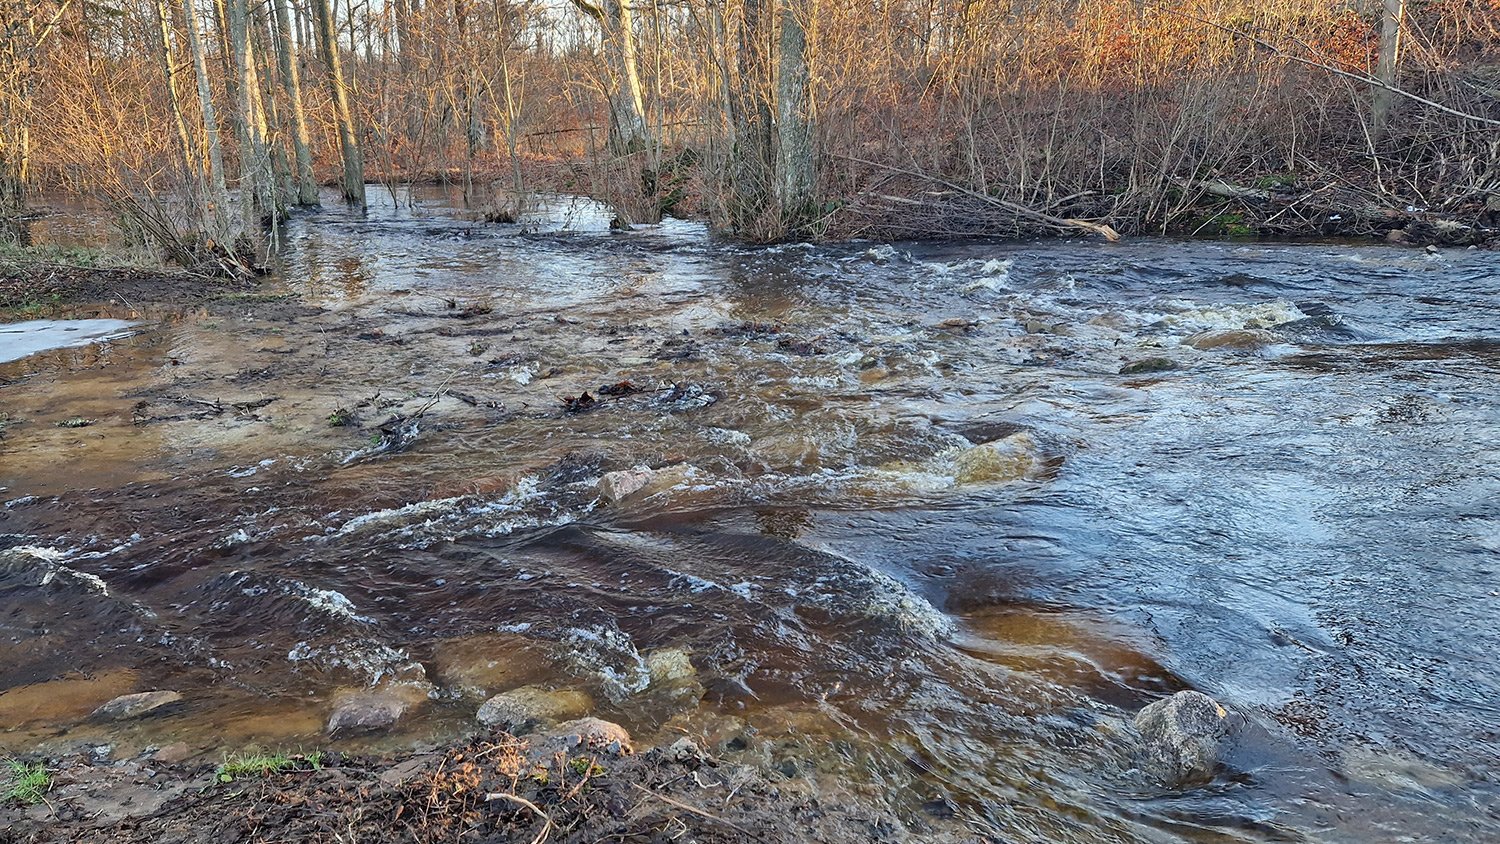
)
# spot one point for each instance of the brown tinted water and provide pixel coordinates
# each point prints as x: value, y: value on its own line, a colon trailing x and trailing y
x: 1298, y: 518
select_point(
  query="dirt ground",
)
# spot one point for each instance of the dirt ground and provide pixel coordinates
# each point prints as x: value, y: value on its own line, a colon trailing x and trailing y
x: 493, y: 788
x: 35, y: 288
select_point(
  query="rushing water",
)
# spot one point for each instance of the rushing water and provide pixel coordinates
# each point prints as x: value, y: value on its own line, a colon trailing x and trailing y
x: 1300, y: 517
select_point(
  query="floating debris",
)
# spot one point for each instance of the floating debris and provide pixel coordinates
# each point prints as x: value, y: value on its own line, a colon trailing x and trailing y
x: 580, y: 403
x: 619, y: 388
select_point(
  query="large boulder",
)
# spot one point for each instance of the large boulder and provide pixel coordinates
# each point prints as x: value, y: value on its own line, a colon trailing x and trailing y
x: 1185, y: 737
x: 141, y: 704
x: 530, y: 708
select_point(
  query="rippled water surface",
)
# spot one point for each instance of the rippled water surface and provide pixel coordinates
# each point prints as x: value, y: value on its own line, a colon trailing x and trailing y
x: 365, y: 474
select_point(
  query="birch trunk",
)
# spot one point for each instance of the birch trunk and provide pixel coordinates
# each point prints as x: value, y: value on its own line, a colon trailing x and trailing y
x: 627, y: 109
x: 291, y: 82
x: 354, y: 171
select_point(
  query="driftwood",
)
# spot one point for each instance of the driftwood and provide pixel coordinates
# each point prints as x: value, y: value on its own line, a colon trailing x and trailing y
x: 1063, y: 223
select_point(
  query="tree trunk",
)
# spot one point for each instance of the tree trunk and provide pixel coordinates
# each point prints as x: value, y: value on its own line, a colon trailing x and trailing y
x: 354, y: 171
x: 627, y: 104
x: 796, y: 178
x: 254, y: 164
x: 189, y: 163
x: 291, y: 82
x: 216, y: 201
x: 751, y: 174
x: 1393, y: 16
x: 627, y: 109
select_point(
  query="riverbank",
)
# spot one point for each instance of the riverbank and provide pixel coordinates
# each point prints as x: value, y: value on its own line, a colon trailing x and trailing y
x: 36, y: 282
x: 565, y: 786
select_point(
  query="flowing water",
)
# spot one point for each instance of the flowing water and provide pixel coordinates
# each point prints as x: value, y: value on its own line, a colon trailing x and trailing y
x: 366, y: 475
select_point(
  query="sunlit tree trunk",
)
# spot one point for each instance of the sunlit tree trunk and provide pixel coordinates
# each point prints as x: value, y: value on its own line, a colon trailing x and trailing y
x: 1392, y: 18
x: 190, y: 169
x: 216, y: 201
x: 354, y: 171
x: 291, y: 82
x: 255, y: 178
x: 627, y: 109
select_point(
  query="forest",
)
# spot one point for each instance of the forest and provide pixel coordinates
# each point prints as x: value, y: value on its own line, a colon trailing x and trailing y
x: 202, y: 124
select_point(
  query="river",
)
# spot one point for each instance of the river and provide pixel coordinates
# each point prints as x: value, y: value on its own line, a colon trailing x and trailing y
x: 365, y: 474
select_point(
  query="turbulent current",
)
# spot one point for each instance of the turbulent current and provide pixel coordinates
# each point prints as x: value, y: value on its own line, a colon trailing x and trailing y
x: 936, y: 520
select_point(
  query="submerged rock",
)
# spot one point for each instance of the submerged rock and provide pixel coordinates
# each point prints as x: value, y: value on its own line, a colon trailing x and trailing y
x: 1239, y: 339
x: 670, y: 665
x: 1003, y: 460
x: 367, y: 712
x: 1146, y: 366
x: 1185, y: 736
x: 138, y: 705
x: 530, y: 708
x: 640, y: 482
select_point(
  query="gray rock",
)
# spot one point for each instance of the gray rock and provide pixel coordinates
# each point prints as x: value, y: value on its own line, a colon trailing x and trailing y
x: 684, y: 751
x: 593, y: 735
x: 530, y: 708
x: 1185, y: 736
x: 173, y: 754
x: 138, y: 705
x: 367, y: 712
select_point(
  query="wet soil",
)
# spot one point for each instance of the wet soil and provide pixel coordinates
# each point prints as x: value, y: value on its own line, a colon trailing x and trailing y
x: 41, y: 288
x: 491, y: 788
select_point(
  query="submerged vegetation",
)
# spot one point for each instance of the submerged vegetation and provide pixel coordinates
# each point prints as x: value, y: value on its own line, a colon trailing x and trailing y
x: 772, y: 118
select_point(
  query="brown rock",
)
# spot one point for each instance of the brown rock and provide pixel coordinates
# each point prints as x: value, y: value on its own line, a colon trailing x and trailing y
x: 173, y: 754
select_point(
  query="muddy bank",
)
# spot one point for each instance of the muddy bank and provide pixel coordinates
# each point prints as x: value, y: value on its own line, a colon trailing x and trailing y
x: 32, y: 288
x: 556, y: 788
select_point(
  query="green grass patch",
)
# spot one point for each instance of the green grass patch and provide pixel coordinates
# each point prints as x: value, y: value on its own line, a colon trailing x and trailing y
x: 250, y: 764
x: 76, y: 422
x: 26, y: 783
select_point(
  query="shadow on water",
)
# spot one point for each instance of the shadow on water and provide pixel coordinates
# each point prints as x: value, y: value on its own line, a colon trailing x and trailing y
x: 909, y: 523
